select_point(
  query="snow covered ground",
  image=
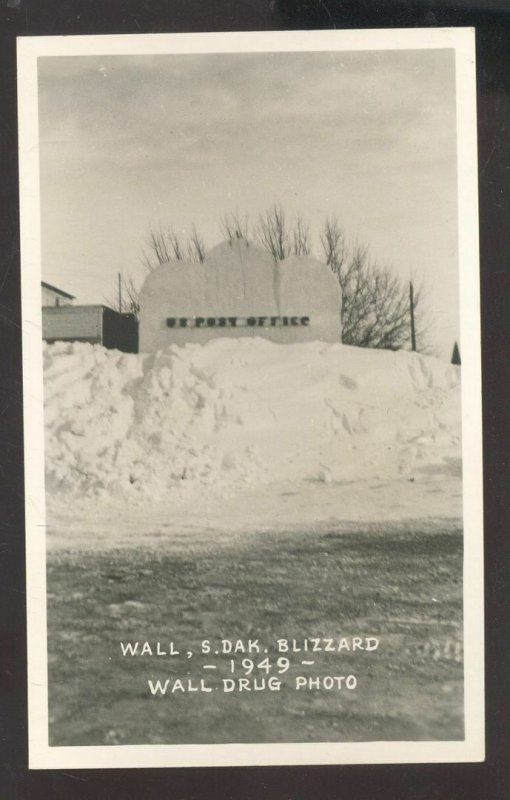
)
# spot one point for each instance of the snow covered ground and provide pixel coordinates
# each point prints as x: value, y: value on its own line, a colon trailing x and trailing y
x: 245, y: 434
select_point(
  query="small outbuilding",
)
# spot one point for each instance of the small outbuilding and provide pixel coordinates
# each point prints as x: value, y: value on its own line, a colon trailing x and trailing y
x: 96, y: 324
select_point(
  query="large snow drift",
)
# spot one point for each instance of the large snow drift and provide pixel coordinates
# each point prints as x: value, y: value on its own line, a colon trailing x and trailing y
x: 239, y: 415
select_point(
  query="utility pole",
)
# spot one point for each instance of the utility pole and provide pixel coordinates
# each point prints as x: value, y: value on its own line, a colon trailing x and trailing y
x: 120, y: 294
x: 411, y: 309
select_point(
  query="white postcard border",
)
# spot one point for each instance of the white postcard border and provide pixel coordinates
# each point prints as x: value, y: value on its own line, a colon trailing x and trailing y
x: 41, y: 755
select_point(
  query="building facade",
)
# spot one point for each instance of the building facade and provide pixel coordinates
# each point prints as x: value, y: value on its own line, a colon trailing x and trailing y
x: 96, y: 324
x: 51, y: 296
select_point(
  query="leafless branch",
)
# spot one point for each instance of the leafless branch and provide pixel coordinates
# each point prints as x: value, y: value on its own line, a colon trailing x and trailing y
x: 196, y: 246
x: 375, y: 302
x: 272, y: 233
x: 233, y: 226
x: 301, y: 237
x: 129, y: 297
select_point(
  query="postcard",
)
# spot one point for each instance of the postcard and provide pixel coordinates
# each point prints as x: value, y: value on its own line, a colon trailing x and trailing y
x: 252, y: 398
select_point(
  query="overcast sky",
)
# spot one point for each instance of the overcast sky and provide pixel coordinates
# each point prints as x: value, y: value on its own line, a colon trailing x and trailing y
x: 127, y: 142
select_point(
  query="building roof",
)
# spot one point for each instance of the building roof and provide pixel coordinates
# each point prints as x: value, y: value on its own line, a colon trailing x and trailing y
x: 59, y: 310
x: 58, y: 291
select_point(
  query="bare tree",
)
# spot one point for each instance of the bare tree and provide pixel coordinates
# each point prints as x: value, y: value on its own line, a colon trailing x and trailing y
x: 127, y: 301
x: 132, y: 303
x: 164, y: 244
x: 176, y: 248
x: 301, y: 245
x: 156, y: 250
x: 376, y: 309
x: 333, y: 245
x: 196, y: 246
x: 233, y: 226
x: 273, y: 234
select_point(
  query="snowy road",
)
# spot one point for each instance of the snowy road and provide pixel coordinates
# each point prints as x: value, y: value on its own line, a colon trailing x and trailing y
x: 306, y: 507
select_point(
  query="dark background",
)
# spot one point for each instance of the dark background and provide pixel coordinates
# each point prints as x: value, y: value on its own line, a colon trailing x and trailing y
x: 487, y: 781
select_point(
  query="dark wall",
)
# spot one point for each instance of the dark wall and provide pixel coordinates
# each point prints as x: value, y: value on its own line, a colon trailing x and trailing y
x: 120, y: 331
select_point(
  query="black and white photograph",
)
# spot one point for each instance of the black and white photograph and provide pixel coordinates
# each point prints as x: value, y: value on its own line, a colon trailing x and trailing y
x: 252, y: 398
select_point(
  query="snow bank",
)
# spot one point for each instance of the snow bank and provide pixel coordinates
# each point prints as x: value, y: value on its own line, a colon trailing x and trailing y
x: 238, y: 413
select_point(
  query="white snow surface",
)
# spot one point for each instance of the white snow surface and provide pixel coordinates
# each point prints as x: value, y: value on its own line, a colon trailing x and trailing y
x: 248, y: 432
